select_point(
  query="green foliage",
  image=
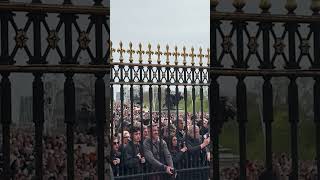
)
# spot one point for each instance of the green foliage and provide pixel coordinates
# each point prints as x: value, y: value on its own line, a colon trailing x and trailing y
x: 281, y: 133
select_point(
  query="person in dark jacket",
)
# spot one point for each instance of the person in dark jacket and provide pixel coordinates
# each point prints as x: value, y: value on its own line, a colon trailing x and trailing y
x: 178, y: 152
x: 180, y: 131
x: 115, y: 157
x: 204, y: 127
x: 157, y: 154
x: 134, y: 159
x: 196, y: 151
x: 179, y: 155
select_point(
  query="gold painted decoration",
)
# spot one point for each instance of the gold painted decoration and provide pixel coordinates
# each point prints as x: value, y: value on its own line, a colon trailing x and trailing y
x: 130, y: 52
x: 121, y: 51
x: 149, y: 53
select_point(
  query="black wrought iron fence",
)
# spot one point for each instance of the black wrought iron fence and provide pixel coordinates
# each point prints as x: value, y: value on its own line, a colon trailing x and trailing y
x: 275, y: 46
x: 25, y: 28
x: 163, y: 91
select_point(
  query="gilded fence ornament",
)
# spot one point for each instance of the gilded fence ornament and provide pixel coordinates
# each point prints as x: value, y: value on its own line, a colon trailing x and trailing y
x: 140, y: 52
x: 131, y: 52
x: 21, y: 38
x: 167, y: 54
x: 315, y: 6
x: 239, y: 4
x: 84, y: 40
x: 291, y: 5
x: 128, y: 54
x: 121, y: 51
x: 304, y: 47
x: 53, y: 39
x: 158, y: 53
x: 149, y: 53
x: 227, y: 44
x: 176, y: 54
x: 200, y: 56
x: 192, y: 55
x: 253, y: 45
x: 184, y: 55
x: 265, y: 5
x: 208, y: 57
x: 279, y: 46
x: 214, y: 4
x: 112, y: 50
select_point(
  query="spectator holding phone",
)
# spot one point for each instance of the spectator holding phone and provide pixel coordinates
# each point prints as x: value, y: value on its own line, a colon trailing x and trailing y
x: 196, y: 150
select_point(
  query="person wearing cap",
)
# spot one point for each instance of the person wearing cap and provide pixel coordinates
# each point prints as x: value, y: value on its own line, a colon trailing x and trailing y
x: 134, y: 159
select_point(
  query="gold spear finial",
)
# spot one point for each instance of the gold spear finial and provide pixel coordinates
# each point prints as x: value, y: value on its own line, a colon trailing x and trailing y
x: 208, y: 57
x: 200, y: 56
x: 176, y: 54
x: 315, y: 6
x: 291, y: 5
x: 112, y: 50
x: 265, y: 5
x: 184, y: 55
x: 239, y: 4
x: 140, y: 52
x: 121, y: 51
x: 150, y: 53
x: 167, y: 54
x: 131, y: 52
x: 192, y: 55
x: 158, y: 53
x: 214, y: 4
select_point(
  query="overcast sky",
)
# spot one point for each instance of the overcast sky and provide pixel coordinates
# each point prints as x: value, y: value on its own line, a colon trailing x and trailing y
x: 176, y: 22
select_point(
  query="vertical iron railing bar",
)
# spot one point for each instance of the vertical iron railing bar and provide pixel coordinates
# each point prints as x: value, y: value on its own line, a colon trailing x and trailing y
x: 168, y: 100
x: 194, y: 116
x: 185, y: 93
x: 315, y: 31
x: 101, y: 106
x: 5, y: 86
x: 131, y: 94
x: 140, y: 68
x: 70, y: 113
x: 267, y: 93
x: 213, y: 98
x: 151, y: 102
x: 69, y: 91
x: 177, y: 96
x: 121, y: 116
x: 293, y: 99
x: 6, y: 120
x: 294, y: 120
x: 239, y: 27
x: 112, y: 133
x: 242, y: 118
x: 316, y: 96
x: 268, y: 119
x: 38, y: 114
x: 38, y: 90
x: 159, y: 99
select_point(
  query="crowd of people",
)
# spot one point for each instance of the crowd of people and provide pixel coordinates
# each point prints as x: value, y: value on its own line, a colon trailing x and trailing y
x: 281, y: 169
x: 54, y: 156
x: 157, y: 143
